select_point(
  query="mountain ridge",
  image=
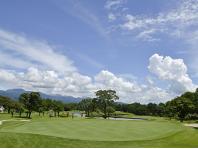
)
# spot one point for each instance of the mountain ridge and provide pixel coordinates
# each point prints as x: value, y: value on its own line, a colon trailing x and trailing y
x: 15, y: 93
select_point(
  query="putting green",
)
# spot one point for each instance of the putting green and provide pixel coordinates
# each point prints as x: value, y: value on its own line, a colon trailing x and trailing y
x: 95, y: 129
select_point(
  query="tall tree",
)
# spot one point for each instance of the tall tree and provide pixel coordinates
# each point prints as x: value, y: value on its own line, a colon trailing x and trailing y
x: 106, y: 98
x: 31, y: 101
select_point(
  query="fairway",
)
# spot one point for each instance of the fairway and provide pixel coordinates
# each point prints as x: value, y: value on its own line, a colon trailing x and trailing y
x: 97, y: 129
x: 81, y: 132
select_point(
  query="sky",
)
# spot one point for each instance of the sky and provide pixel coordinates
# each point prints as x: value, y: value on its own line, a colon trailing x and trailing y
x: 144, y: 50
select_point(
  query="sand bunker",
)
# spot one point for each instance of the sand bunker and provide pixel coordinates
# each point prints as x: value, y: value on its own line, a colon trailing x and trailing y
x: 1, y: 122
x: 192, y: 125
x: 124, y: 119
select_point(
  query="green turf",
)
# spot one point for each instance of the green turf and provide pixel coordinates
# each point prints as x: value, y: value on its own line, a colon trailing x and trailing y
x: 65, y: 132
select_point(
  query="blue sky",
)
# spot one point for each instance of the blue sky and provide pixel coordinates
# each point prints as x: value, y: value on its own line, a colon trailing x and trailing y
x: 133, y: 47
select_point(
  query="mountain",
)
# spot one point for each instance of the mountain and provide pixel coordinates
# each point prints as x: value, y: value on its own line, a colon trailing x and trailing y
x: 15, y: 93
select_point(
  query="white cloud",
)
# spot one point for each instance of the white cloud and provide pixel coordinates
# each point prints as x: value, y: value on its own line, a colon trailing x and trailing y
x: 71, y: 84
x: 153, y: 94
x: 7, y: 59
x: 190, y: 39
x: 172, y: 70
x: 7, y: 76
x: 113, y: 4
x: 77, y: 85
x: 183, y: 16
x: 39, y: 67
x: 106, y: 79
x: 147, y: 35
x: 33, y: 50
x: 111, y: 17
x: 130, y: 91
x: 57, y: 74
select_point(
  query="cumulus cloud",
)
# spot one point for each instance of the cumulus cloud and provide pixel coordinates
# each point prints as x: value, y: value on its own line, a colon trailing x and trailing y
x: 172, y: 70
x: 45, y: 70
x: 77, y: 85
x: 36, y: 65
x: 130, y: 91
x: 48, y: 81
x: 108, y: 80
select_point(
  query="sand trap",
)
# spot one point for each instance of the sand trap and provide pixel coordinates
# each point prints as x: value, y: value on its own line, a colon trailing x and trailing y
x: 1, y: 122
x: 124, y: 119
x: 25, y: 120
x: 192, y: 125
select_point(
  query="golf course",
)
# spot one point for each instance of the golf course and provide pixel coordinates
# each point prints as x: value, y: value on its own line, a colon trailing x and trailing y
x: 94, y: 132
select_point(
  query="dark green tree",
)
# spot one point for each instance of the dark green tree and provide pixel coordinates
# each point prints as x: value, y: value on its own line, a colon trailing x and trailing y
x: 110, y: 110
x: 57, y: 107
x: 31, y: 102
x: 19, y: 108
x: 6, y: 102
x: 86, y: 105
x: 106, y: 98
x: 182, y: 107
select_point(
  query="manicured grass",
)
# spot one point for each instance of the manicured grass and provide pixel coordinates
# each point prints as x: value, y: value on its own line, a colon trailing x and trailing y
x: 77, y: 132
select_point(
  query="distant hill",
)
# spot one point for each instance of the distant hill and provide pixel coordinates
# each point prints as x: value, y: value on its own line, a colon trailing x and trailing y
x: 15, y: 93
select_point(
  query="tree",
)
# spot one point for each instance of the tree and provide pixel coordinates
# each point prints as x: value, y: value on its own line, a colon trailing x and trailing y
x: 19, y: 108
x: 182, y: 106
x: 57, y: 107
x: 152, y: 108
x: 106, y: 98
x: 136, y: 108
x: 31, y: 101
x: 189, y: 95
x: 41, y: 107
x: 110, y: 110
x: 6, y: 102
x: 170, y: 109
x: 195, y: 101
x: 70, y: 106
x: 94, y: 104
x: 161, y: 109
x: 86, y: 105
x: 48, y: 104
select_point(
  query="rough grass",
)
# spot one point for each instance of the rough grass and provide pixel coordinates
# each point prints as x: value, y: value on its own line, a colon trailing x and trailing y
x: 65, y: 132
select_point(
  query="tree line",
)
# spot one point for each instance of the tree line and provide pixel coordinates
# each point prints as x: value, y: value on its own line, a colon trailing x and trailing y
x: 32, y: 102
x: 184, y: 107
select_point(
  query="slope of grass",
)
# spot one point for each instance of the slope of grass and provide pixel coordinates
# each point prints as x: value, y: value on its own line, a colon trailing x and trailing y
x: 65, y: 132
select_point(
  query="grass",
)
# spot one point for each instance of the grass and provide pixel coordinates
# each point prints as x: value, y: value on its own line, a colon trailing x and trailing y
x: 77, y: 132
